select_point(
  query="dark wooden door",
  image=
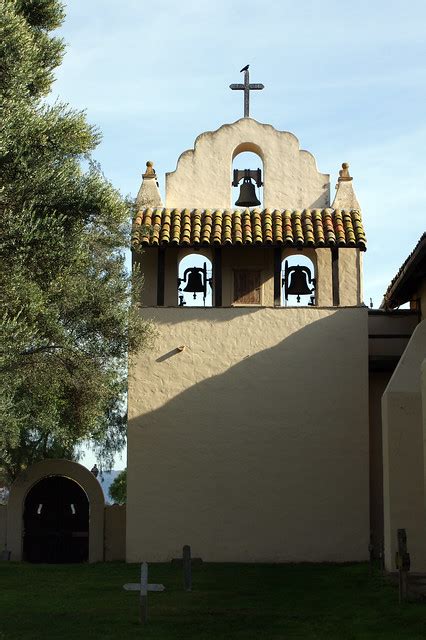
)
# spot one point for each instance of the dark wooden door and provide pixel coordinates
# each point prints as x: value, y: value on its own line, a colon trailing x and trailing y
x: 56, y: 522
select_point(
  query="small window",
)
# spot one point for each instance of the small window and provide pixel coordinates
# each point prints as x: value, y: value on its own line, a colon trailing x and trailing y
x: 39, y: 508
x: 72, y: 509
x: 247, y: 287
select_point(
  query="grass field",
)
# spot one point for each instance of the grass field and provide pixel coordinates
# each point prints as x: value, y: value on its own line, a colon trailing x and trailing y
x: 71, y: 602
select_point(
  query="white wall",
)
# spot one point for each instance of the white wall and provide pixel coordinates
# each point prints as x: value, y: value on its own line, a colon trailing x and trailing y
x: 251, y: 444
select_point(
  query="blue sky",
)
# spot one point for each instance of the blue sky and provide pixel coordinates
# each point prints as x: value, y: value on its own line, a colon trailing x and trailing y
x: 347, y: 78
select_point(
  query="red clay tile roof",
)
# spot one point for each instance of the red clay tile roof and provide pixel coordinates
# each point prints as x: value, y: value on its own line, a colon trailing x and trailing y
x: 308, y: 228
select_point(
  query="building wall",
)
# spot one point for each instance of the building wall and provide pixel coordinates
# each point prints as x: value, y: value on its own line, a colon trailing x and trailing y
x: 251, y: 444
x: 404, y: 431
x: 350, y: 277
x: 389, y: 333
x: 378, y: 381
x: 115, y: 533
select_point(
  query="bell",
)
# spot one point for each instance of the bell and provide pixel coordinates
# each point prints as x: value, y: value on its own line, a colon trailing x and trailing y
x: 298, y: 283
x: 248, y: 196
x: 195, y: 283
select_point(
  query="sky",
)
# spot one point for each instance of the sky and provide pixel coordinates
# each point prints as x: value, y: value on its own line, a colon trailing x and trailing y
x: 347, y: 78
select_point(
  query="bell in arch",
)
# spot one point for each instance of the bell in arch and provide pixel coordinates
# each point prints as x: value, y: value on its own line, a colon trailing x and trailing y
x: 196, y: 281
x: 296, y: 281
x: 247, y: 197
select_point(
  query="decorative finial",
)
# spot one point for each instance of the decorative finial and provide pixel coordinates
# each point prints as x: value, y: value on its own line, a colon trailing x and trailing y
x: 150, y: 171
x: 344, y: 175
x: 345, y: 197
x: 246, y: 87
x: 149, y: 193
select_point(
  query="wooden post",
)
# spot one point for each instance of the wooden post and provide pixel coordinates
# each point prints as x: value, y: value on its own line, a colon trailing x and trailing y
x: 217, y: 276
x: 277, y: 277
x: 335, y: 276
x: 402, y: 564
x: 371, y: 552
x: 382, y: 557
x: 143, y: 611
x: 187, y: 569
x: 161, y: 270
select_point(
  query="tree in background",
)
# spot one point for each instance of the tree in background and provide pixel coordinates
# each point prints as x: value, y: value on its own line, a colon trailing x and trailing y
x: 118, y: 489
x: 68, y: 320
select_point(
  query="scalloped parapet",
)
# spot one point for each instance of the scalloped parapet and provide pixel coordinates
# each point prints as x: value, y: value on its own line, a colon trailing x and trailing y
x: 203, y: 175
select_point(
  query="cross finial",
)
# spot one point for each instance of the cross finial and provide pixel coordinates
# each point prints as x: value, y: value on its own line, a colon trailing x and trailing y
x: 246, y: 87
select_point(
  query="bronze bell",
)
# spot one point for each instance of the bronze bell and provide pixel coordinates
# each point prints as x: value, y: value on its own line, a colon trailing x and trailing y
x: 298, y: 283
x: 195, y: 283
x: 247, y: 196
x: 297, y: 280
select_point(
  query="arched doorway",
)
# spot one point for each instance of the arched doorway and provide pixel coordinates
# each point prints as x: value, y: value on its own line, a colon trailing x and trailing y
x: 56, y: 522
x: 50, y: 471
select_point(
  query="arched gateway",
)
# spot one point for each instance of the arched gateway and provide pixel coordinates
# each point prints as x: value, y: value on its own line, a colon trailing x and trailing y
x: 56, y: 514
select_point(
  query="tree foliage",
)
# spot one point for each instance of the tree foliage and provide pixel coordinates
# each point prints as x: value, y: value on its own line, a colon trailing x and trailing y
x: 118, y: 488
x: 68, y: 322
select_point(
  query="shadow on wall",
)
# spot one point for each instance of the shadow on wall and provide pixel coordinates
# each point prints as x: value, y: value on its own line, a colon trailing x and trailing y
x: 275, y: 447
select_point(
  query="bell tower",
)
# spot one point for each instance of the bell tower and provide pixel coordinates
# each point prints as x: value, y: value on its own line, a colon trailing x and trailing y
x: 244, y: 412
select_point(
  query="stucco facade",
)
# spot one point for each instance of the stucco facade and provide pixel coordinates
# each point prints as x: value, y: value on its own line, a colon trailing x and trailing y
x: 404, y: 436
x: 248, y: 423
x: 238, y: 448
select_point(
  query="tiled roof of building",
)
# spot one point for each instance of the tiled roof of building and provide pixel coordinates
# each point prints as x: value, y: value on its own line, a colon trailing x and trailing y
x: 407, y: 279
x: 308, y: 228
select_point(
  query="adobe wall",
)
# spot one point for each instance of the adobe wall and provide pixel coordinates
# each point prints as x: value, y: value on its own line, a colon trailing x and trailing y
x: 115, y: 533
x: 378, y: 381
x: 404, y: 435
x: 251, y: 444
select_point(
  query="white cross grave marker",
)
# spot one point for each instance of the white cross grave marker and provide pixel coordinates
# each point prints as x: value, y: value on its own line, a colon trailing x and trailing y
x: 143, y: 587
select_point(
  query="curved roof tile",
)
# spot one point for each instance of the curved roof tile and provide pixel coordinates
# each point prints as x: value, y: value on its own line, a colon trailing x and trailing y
x: 185, y: 227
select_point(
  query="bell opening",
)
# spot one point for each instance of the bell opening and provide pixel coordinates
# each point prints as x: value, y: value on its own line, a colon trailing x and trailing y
x: 242, y: 161
x: 195, y: 284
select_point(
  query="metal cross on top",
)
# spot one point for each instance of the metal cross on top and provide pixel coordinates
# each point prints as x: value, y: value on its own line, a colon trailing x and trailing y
x: 246, y: 87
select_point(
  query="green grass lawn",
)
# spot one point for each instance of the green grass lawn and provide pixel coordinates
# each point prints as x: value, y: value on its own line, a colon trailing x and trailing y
x: 229, y: 601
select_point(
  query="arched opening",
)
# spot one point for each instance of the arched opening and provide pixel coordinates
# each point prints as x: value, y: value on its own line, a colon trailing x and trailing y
x: 298, y: 281
x: 56, y: 522
x: 195, y: 281
x: 247, y: 156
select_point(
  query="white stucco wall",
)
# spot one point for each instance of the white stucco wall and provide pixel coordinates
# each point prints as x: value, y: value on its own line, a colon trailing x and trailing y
x: 251, y: 444
x: 404, y: 429
x: 203, y: 175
